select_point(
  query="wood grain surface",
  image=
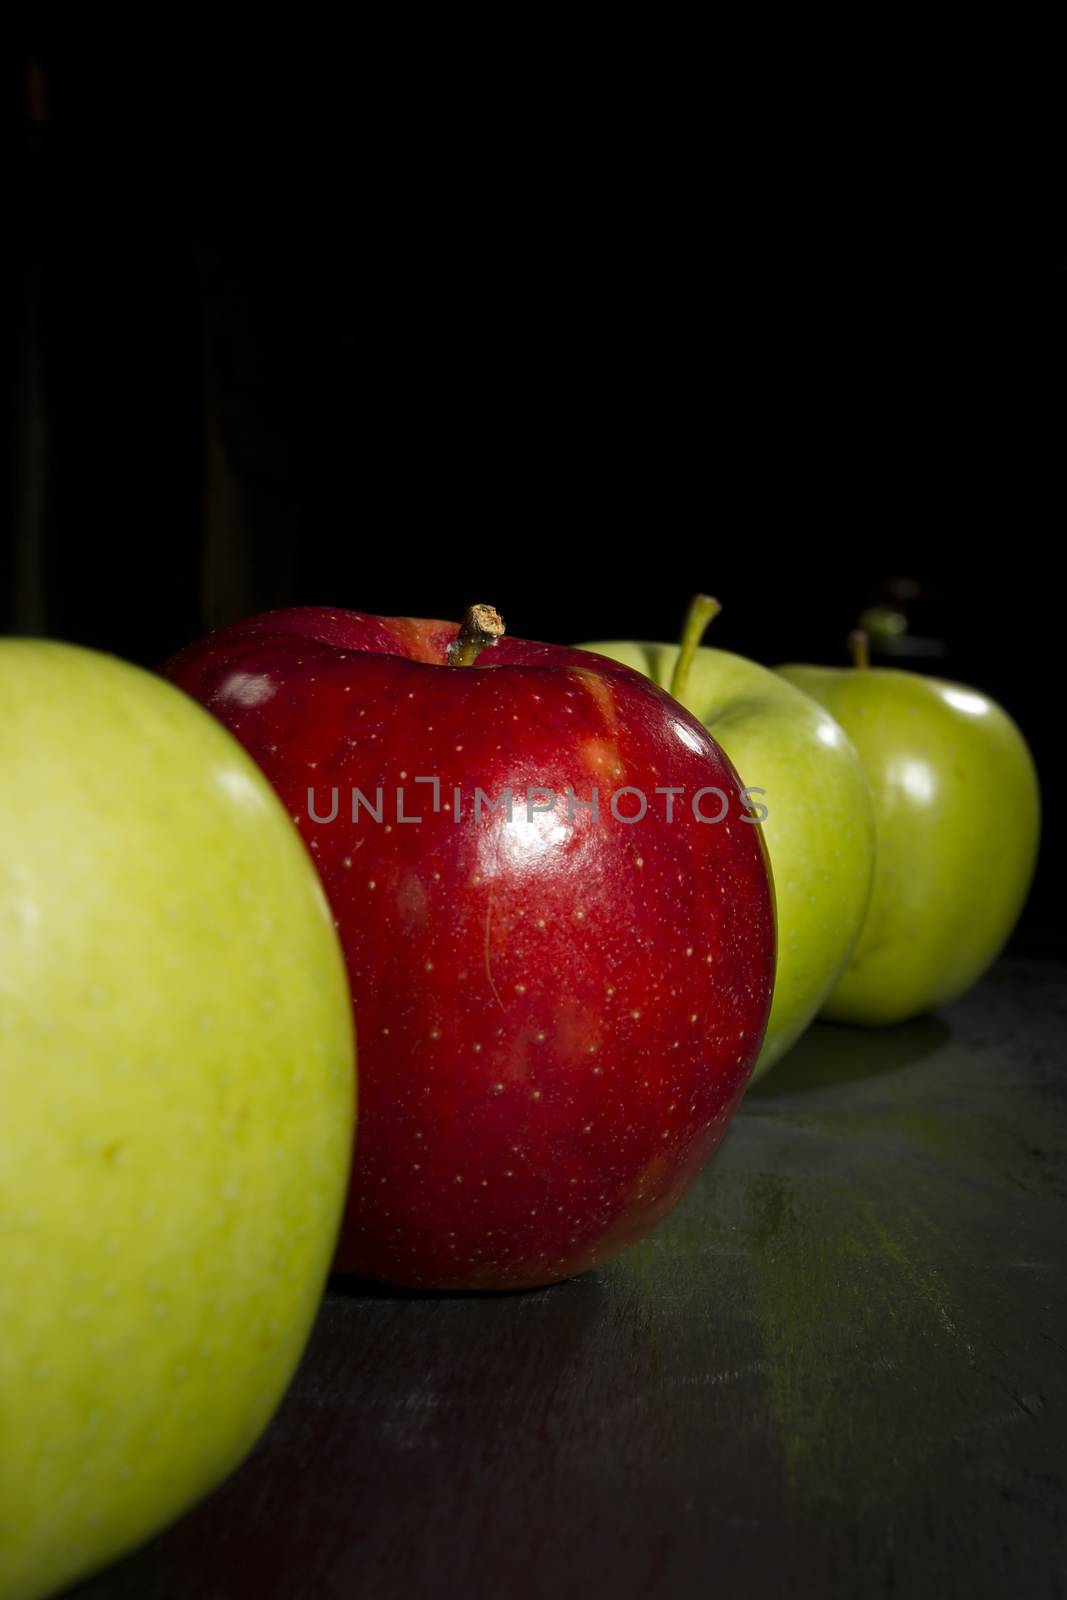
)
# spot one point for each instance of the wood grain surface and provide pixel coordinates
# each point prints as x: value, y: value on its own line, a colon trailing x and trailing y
x: 839, y: 1369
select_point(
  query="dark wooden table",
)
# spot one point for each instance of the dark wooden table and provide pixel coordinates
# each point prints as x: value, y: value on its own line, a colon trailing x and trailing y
x: 839, y: 1369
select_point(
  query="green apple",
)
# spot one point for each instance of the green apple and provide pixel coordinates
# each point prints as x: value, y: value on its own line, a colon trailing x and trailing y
x: 818, y: 829
x: 957, y: 819
x: 176, y: 1107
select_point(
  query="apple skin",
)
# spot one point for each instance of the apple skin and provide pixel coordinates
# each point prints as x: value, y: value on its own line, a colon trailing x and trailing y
x: 555, y: 1022
x: 957, y: 820
x: 819, y: 827
x: 176, y: 1108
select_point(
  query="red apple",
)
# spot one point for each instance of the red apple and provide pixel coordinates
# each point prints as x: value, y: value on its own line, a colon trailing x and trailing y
x: 556, y: 1014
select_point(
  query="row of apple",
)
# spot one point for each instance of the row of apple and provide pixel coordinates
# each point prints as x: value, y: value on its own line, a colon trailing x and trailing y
x: 556, y: 1012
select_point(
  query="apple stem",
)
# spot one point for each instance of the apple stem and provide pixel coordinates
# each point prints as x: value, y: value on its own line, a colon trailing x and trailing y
x: 481, y: 626
x: 859, y: 646
x: 702, y: 610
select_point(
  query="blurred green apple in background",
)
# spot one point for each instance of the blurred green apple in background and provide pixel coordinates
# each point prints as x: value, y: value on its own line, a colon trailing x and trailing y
x: 819, y: 827
x: 957, y: 819
x: 176, y: 1107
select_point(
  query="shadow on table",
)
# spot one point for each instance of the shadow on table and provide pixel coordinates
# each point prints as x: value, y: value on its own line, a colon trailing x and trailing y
x: 830, y: 1054
x: 347, y: 1283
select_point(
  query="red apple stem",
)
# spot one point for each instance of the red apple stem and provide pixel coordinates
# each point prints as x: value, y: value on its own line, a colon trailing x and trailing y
x: 702, y: 610
x: 481, y: 626
x: 859, y: 647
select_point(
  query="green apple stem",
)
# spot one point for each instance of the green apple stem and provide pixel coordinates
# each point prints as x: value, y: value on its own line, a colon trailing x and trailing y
x: 481, y: 626
x: 859, y: 646
x: 702, y: 610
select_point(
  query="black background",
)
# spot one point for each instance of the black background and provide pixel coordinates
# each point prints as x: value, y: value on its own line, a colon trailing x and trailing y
x: 304, y: 324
